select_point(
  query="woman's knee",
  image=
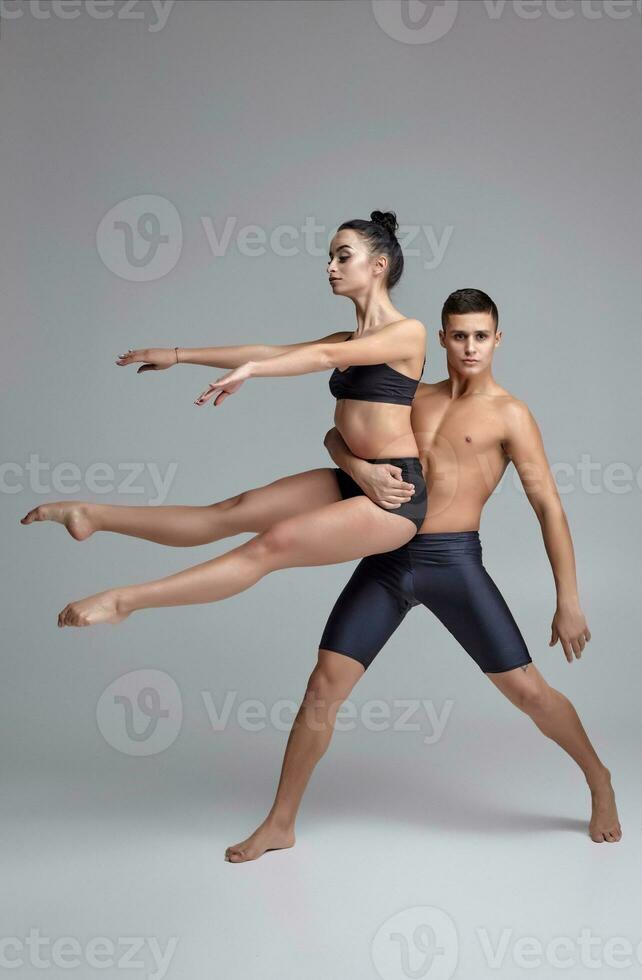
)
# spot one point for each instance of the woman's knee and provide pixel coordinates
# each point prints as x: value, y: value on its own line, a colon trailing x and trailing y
x: 276, y: 542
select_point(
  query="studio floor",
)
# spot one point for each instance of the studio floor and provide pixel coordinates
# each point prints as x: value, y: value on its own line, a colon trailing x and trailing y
x: 470, y: 862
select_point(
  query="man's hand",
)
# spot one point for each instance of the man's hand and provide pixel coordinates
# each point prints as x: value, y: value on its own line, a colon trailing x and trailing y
x: 226, y: 385
x: 383, y: 483
x: 569, y: 627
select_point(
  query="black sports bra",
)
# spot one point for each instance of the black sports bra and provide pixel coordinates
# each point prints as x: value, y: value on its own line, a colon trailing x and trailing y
x: 374, y: 383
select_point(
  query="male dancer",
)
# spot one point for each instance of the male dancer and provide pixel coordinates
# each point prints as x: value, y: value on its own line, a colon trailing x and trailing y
x: 468, y: 430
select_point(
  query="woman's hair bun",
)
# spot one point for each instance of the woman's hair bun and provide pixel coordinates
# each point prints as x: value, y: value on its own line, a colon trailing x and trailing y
x: 386, y: 218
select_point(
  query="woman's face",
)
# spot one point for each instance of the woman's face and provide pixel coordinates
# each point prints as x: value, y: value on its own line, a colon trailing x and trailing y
x: 352, y: 269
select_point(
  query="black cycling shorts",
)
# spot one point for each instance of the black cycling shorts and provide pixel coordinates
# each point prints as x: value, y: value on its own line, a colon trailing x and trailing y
x: 441, y: 571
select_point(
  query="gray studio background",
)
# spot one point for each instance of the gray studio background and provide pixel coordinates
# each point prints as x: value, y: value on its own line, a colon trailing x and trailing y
x: 507, y: 147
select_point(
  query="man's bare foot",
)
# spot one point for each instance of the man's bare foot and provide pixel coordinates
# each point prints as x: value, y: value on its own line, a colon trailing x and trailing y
x: 104, y: 607
x: 604, y: 825
x: 267, y: 837
x: 74, y: 514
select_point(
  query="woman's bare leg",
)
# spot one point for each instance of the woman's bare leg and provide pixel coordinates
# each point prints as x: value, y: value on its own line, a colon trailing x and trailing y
x: 556, y: 717
x: 338, y: 532
x: 185, y: 526
x: 328, y: 685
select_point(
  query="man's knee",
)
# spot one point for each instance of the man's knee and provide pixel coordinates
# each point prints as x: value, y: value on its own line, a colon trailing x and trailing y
x: 328, y: 686
x: 527, y: 690
x: 534, y: 695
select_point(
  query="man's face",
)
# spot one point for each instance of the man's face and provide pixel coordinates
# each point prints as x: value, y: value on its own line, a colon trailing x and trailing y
x: 470, y: 341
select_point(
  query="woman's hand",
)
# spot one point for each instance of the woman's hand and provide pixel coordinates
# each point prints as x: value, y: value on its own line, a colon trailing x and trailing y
x: 383, y: 483
x: 154, y: 358
x: 226, y: 385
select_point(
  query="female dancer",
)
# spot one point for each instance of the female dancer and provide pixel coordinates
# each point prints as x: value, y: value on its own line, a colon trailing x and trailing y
x: 316, y: 518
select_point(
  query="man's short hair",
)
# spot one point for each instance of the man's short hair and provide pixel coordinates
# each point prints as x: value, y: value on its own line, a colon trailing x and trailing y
x: 468, y: 301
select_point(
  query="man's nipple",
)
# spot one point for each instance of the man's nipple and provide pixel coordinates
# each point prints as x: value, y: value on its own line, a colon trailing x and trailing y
x: 468, y: 439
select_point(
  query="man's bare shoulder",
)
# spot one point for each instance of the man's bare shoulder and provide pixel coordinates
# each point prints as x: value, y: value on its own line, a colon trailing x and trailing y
x: 515, y: 409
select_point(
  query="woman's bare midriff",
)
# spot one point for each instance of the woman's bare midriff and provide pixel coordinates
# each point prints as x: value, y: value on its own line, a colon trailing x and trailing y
x: 358, y: 421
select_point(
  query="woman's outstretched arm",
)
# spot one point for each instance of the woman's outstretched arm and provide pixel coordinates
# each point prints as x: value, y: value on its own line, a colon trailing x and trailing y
x: 394, y: 342
x: 159, y: 358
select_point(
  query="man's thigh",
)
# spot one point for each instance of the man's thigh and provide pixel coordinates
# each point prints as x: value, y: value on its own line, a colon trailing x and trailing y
x: 471, y: 607
x: 371, y: 606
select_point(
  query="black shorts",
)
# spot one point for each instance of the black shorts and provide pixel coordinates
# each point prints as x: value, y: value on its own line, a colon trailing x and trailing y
x: 411, y: 472
x: 443, y: 572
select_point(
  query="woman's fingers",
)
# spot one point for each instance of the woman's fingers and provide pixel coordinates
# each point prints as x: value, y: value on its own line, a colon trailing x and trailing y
x: 130, y: 356
x: 204, y: 396
x: 210, y: 391
x: 133, y: 357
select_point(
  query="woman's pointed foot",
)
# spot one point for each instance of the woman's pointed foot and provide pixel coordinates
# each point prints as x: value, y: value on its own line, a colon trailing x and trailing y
x: 74, y: 514
x: 104, y: 607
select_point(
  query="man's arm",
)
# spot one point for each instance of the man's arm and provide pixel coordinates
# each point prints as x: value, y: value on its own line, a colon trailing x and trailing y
x: 382, y: 482
x: 339, y: 452
x: 524, y: 445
